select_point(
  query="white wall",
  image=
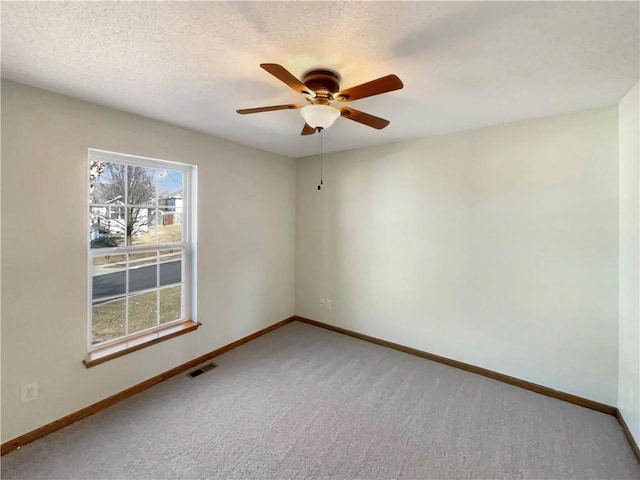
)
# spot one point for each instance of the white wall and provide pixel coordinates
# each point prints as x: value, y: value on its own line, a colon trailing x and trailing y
x: 497, y: 247
x: 245, y: 261
x: 629, y: 334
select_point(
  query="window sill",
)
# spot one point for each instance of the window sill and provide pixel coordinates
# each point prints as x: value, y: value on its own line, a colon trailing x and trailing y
x: 133, y: 344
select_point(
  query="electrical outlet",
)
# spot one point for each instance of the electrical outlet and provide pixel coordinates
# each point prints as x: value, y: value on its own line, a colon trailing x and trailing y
x: 328, y: 304
x: 29, y: 392
x: 322, y: 302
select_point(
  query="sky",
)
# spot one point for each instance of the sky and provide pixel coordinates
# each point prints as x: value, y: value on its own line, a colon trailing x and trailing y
x: 170, y: 180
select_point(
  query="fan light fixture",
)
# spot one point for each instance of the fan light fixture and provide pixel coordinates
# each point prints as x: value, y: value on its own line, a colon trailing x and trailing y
x: 319, y: 116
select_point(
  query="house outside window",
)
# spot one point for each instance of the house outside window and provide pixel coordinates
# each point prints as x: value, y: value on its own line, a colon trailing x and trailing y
x: 140, y: 246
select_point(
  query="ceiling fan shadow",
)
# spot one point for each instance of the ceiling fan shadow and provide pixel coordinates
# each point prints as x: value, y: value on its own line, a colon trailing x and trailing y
x: 252, y: 89
x: 470, y: 19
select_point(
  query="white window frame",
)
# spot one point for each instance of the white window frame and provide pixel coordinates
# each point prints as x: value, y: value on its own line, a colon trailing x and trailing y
x: 187, y: 245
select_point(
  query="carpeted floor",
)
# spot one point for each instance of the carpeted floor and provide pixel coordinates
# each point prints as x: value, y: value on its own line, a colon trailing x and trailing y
x: 306, y: 403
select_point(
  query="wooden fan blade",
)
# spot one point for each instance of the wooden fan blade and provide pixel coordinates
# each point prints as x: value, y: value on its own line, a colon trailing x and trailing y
x: 364, y: 118
x: 374, y: 87
x: 307, y: 130
x: 286, y: 77
x: 268, y: 109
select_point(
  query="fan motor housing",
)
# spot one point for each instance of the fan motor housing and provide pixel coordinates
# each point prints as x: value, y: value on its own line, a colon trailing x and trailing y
x: 322, y: 81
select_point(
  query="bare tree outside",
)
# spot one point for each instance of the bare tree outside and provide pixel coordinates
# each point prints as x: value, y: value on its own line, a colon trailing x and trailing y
x: 117, y: 184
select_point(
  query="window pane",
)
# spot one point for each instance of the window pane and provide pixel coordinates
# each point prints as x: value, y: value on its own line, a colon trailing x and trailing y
x: 170, y: 304
x: 107, y: 228
x: 108, y: 320
x: 109, y: 276
x: 170, y: 225
x: 170, y: 267
x: 143, y: 311
x: 106, y: 182
x: 143, y: 271
x: 141, y: 186
x: 136, y: 204
x: 141, y: 225
x: 169, y: 185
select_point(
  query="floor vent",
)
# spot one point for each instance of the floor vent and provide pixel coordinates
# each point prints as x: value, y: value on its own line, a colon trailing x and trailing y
x: 201, y: 370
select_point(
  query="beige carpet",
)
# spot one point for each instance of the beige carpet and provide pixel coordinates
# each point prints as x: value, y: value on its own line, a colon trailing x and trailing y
x: 306, y: 403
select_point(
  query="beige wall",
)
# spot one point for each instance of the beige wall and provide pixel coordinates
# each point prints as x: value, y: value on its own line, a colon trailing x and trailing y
x: 246, y: 206
x: 497, y: 247
x: 629, y: 356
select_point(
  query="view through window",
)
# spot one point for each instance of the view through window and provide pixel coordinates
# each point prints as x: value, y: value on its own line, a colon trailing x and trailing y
x: 139, y: 245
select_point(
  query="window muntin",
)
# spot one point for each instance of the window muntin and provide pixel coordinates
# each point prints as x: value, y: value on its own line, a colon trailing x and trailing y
x: 139, y: 246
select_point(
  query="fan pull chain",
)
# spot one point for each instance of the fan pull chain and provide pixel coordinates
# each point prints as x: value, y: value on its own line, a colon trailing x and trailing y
x: 321, y: 160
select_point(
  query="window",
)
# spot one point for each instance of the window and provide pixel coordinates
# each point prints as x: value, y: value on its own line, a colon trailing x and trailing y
x: 140, y: 246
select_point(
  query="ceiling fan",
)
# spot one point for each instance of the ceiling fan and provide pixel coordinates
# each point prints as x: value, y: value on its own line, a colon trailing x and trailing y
x: 321, y: 87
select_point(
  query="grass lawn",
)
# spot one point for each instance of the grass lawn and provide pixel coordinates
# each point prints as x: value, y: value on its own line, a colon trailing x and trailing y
x: 109, y: 317
x: 166, y: 234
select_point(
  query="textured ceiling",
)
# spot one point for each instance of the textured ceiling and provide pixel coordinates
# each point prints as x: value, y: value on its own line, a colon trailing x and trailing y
x: 464, y: 65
